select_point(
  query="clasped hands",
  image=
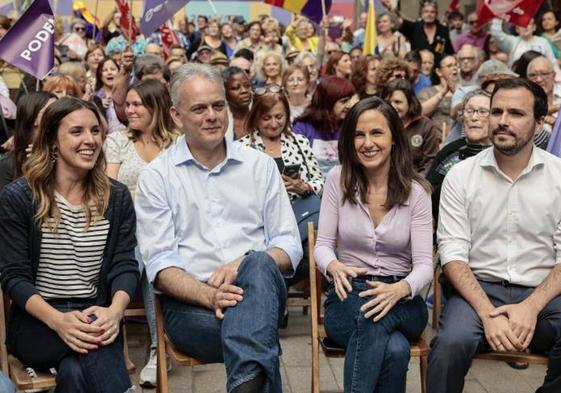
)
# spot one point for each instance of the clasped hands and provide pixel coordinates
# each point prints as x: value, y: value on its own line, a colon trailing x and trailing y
x: 226, y: 294
x: 510, y: 327
x: 384, y: 296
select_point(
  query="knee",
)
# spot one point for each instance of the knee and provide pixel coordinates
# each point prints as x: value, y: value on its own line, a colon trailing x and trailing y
x: 451, y: 344
x: 69, y: 372
x: 258, y: 266
x: 398, y: 352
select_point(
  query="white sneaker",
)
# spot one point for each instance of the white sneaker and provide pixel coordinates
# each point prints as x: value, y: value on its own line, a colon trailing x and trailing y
x: 148, y: 375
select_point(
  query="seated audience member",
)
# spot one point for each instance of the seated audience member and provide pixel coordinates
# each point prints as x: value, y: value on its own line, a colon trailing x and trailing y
x: 469, y: 58
x: 418, y: 79
x: 475, y: 119
x: 149, y: 132
x: 363, y: 76
x: 492, y: 51
x: 515, y: 46
x: 322, y: 119
x: 296, y: 82
x: 421, y: 133
x: 540, y: 70
x: 375, y: 245
x: 269, y: 130
x: 77, y: 72
x: 218, y: 60
x: 503, y: 277
x: 65, y: 208
x: 238, y: 97
x: 308, y: 60
x: 475, y: 35
x: 62, y: 86
x: 221, y: 280
x: 243, y: 59
x: 29, y: 113
x: 436, y: 100
x: 520, y: 66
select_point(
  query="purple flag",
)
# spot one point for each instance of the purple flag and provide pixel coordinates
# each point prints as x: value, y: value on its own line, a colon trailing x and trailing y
x: 29, y: 44
x: 554, y: 145
x: 157, y: 12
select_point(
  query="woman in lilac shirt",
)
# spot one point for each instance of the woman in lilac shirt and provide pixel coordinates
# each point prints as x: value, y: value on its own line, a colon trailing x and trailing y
x: 375, y: 246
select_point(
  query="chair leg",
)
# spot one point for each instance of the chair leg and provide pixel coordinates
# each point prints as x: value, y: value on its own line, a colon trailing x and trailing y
x: 162, y: 366
x: 131, y: 368
x: 315, y: 366
x: 423, y: 363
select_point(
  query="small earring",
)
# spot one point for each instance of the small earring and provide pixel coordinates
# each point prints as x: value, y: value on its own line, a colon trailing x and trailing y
x: 54, y: 155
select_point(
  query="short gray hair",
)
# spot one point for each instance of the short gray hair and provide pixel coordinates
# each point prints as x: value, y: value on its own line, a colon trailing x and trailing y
x: 190, y: 71
x: 304, y: 55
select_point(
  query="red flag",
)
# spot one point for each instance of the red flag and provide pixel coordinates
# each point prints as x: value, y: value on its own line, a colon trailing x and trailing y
x: 126, y: 19
x: 517, y: 12
x: 169, y: 38
x: 454, y: 6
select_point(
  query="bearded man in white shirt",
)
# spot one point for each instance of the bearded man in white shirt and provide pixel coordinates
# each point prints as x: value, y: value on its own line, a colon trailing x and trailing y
x: 501, y: 249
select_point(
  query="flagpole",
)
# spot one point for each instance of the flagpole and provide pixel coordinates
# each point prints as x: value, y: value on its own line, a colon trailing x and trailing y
x: 95, y: 18
x: 214, y: 8
x: 323, y: 11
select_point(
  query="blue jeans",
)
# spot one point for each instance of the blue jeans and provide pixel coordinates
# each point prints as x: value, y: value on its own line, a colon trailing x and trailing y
x: 461, y: 336
x: 148, y: 299
x: 376, y: 354
x: 247, y: 339
x: 100, y: 371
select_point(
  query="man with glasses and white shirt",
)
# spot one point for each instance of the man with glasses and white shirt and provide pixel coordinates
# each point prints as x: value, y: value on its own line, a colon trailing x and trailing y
x: 500, y: 251
x: 541, y: 71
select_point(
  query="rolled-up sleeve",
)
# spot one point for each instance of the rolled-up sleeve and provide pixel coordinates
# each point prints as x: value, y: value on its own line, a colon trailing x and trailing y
x: 421, y: 241
x: 453, y: 232
x: 281, y: 229
x: 155, y: 228
x: 324, y: 251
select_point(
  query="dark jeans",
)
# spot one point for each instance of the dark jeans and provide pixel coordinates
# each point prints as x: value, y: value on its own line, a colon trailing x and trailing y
x: 460, y: 337
x: 247, y: 339
x: 376, y: 354
x: 100, y: 371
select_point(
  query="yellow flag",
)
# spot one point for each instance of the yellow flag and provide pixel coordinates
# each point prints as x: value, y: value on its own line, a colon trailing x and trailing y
x: 370, y: 34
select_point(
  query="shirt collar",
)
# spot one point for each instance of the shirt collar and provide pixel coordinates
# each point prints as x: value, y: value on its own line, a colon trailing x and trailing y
x: 182, y: 153
x: 489, y: 160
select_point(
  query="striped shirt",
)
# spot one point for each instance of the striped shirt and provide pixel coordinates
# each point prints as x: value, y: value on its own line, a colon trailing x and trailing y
x: 71, y: 258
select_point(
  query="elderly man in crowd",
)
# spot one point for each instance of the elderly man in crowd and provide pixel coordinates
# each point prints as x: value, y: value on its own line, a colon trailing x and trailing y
x: 469, y: 58
x: 503, y: 270
x: 475, y: 35
x: 541, y: 71
x: 218, y: 260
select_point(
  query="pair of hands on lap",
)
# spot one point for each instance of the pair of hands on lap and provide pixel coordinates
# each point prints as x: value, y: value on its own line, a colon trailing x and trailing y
x: 226, y: 294
x: 384, y: 296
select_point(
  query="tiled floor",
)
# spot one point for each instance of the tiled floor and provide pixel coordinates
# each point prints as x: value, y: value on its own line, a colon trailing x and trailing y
x: 484, y: 376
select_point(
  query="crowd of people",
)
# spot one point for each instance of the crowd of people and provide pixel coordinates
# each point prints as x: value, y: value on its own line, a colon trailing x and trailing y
x: 181, y: 172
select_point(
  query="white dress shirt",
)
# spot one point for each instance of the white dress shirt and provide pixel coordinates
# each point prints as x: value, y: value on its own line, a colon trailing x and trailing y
x: 503, y: 229
x: 198, y: 219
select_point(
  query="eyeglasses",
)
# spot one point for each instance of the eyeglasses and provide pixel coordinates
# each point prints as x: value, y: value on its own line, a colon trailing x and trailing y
x: 274, y: 89
x: 535, y: 75
x: 79, y: 28
x: 472, y: 22
x: 399, y: 75
x: 470, y: 58
x: 481, y: 112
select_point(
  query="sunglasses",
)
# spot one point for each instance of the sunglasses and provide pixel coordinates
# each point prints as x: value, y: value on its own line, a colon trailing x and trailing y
x: 274, y: 89
x: 79, y: 29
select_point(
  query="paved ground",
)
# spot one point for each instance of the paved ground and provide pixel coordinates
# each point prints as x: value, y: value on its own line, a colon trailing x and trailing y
x: 484, y: 376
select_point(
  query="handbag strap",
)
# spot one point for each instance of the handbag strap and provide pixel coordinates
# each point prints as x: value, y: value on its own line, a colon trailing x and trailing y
x: 302, y: 155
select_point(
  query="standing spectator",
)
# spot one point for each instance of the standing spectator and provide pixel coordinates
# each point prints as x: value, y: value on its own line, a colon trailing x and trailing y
x: 309, y: 61
x: 470, y: 58
x: 421, y: 133
x: 515, y: 46
x: 77, y: 72
x: 229, y: 39
x: 427, y: 33
x: 418, y: 79
x: 390, y: 42
x: 549, y: 23
x: 339, y: 64
x: 475, y: 36
x: 270, y: 68
x: 66, y: 209
x: 321, y: 121
x: 298, y: 33
x: 150, y: 131
x: 374, y: 243
x: 363, y: 76
x: 456, y: 25
x: 253, y: 39
x: 106, y: 74
x: 427, y: 64
x: 296, y: 81
x: 94, y: 56
x: 211, y: 38
x: 238, y: 97
x: 389, y: 69
x: 437, y: 100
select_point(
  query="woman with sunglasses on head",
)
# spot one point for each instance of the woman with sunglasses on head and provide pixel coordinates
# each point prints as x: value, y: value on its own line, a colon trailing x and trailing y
x: 67, y: 239
x: 238, y: 95
x: 375, y: 245
x: 322, y: 119
x: 436, y: 101
x: 423, y: 135
x: 150, y: 131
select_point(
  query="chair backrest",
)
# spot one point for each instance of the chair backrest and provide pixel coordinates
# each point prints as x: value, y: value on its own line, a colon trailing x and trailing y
x: 315, y: 278
x: 3, y: 350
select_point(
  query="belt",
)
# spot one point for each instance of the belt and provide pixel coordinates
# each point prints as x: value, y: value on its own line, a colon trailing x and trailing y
x: 386, y: 279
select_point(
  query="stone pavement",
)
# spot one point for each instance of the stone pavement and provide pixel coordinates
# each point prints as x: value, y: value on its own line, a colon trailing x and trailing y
x: 484, y: 376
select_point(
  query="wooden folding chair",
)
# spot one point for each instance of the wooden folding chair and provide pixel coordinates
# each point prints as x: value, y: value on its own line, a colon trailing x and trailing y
x: 419, y: 349
x: 511, y: 357
x: 12, y: 367
x: 165, y: 346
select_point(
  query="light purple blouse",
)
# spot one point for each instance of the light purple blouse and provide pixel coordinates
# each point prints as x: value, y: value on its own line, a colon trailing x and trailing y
x: 400, y: 245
